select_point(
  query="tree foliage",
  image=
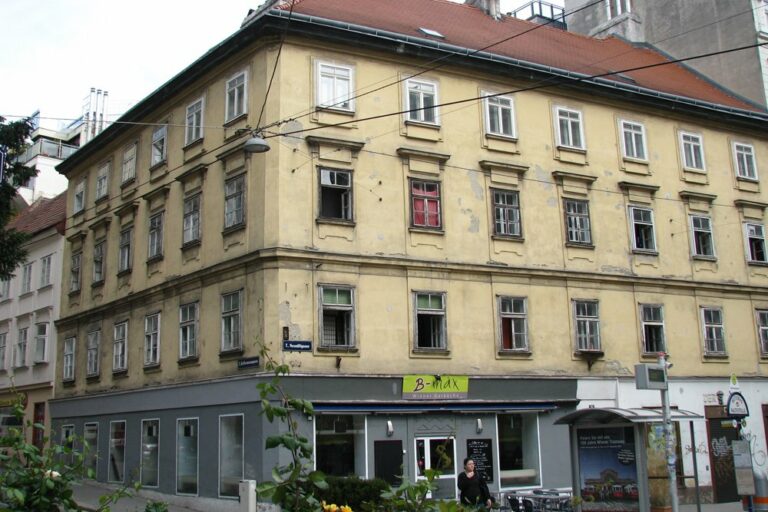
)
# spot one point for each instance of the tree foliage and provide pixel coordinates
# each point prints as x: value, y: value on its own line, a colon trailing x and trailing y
x: 13, y: 141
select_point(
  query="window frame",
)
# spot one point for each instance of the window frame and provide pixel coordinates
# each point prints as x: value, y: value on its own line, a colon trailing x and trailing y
x: 155, y: 235
x: 488, y: 99
x: 128, y: 163
x: 112, y: 442
x: 242, y: 451
x: 187, y: 325
x: 46, y: 263
x: 68, y: 359
x: 120, y: 347
x: 78, y: 198
x: 41, y: 338
x: 622, y: 7
x: 346, y: 197
x: 99, y: 255
x: 190, y: 227
x: 580, y: 219
x: 93, y: 353
x: 21, y: 347
x: 125, y: 251
x: 75, y: 272
x: 695, y: 253
x: 226, y: 315
x: 568, y: 144
x: 742, y: 173
x: 232, y: 196
x: 706, y: 326
x: 152, y: 339
x: 239, y: 97
x: 443, y: 326
x: 194, y: 130
x: 159, y: 147
x: 345, y: 102
x: 26, y: 277
x: 512, y: 316
x: 761, y: 321
x: 141, y: 458
x: 652, y: 323
x: 5, y: 289
x: 3, y: 349
x: 635, y: 129
x: 412, y: 115
x: 349, y: 309
x: 102, y: 180
x: 506, y: 209
x: 638, y: 225
x: 698, y: 144
x: 752, y: 251
x: 197, y: 456
x: 412, y: 182
x: 592, y: 322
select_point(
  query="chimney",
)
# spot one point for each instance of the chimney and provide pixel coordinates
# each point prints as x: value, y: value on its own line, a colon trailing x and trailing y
x: 490, y: 7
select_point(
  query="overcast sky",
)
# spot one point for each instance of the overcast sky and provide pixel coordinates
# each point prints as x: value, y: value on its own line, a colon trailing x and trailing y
x: 54, y: 51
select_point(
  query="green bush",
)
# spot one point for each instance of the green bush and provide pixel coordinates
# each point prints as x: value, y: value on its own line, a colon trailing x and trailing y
x: 352, y: 491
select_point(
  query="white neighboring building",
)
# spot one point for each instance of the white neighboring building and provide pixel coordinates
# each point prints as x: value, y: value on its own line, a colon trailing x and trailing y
x: 29, y: 306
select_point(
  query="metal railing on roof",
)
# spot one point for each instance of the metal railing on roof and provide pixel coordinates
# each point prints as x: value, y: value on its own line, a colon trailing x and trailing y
x: 539, y: 10
x: 49, y: 148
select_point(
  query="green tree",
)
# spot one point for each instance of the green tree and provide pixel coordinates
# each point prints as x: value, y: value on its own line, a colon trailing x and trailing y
x: 13, y: 142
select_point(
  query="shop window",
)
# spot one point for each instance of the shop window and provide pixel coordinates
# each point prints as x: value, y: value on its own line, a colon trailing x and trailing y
x: 9, y: 420
x: 518, y: 449
x: 91, y: 449
x: 116, y: 461
x: 231, y: 460
x: 150, y: 460
x: 67, y: 442
x: 186, y: 456
x: 340, y: 441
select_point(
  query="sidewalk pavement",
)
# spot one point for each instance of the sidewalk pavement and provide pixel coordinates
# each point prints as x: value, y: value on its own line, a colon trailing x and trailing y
x: 87, y: 494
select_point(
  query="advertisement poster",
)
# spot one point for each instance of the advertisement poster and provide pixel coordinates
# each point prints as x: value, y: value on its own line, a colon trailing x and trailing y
x: 608, y: 469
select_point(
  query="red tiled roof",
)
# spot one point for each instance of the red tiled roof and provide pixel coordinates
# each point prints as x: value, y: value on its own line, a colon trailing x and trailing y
x: 469, y: 27
x: 42, y: 214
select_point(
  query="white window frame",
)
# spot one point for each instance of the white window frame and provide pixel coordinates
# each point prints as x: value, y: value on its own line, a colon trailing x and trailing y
x: 120, y: 346
x: 761, y: 316
x: 128, y: 166
x: 578, y: 224
x: 591, y: 322
x: 155, y: 235
x: 232, y: 315
x: 3, y: 349
x: 325, y: 70
x: 240, y: 92
x: 242, y: 451
x: 152, y: 339
x: 68, y: 364
x: 234, y: 216
x: 744, y: 161
x: 141, y: 458
x: 26, y: 278
x: 504, y: 105
x: 78, y: 201
x: 754, y: 231
x: 350, y: 338
x: 634, y: 131
x: 652, y: 323
x: 20, y: 352
x: 187, y: 326
x: 5, y: 289
x: 75, y: 272
x: 705, y: 232
x: 125, y: 252
x: 565, y: 139
x: 99, y: 254
x: 195, y: 119
x: 622, y: 7
x: 420, y: 87
x: 41, y: 343
x: 191, y: 221
x: 712, y: 326
x: 637, y: 224
x: 102, y: 180
x: 695, y: 142
x: 46, y: 262
x: 329, y: 180
x: 93, y: 353
x: 442, y: 343
x: 512, y: 316
x: 159, y: 148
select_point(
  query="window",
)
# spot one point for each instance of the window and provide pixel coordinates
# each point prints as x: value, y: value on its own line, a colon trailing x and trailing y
x: 93, y: 355
x: 186, y: 456
x: 79, y: 199
x: 69, y: 359
x: 91, y: 455
x: 512, y: 316
x: 236, y: 98
x: 159, y: 144
x: 68, y: 443
x: 3, y: 349
x: 194, y: 129
x: 152, y: 339
x: 652, y: 320
x: 234, y: 202
x: 26, y: 278
x: 633, y: 140
x: 191, y: 227
x: 125, y: 252
x: 337, y: 325
x: 45, y: 270
x: 587, y: 325
x: 569, y: 132
x: 762, y: 327
x: 74, y: 272
x: 102, y: 180
x: 578, y: 229
x: 421, y: 101
x: 617, y: 7
x: 119, y: 347
x: 188, y: 330
x: 714, y: 332
x: 150, y: 460
x: 155, y: 249
x: 230, y: 321
x: 335, y: 86
x: 99, y: 249
x: 692, y: 151
x: 430, y: 320
x: 338, y: 439
x: 231, y: 459
x: 702, y: 243
x: 425, y: 204
x: 41, y: 343
x: 116, y: 451
x: 500, y: 116
x: 21, y: 348
x: 754, y: 235
x: 643, y: 238
x: 744, y: 161
x: 129, y: 163
x: 506, y: 213
x: 5, y: 289
x: 518, y: 439
x: 335, y: 194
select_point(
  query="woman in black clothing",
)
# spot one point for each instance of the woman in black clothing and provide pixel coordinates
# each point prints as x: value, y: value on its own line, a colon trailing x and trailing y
x: 472, y: 488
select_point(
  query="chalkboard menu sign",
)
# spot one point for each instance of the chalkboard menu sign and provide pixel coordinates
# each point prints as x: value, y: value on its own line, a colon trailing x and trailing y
x: 479, y: 450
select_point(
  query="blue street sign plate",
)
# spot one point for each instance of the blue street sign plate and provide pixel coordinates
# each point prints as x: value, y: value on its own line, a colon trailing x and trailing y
x: 297, y: 346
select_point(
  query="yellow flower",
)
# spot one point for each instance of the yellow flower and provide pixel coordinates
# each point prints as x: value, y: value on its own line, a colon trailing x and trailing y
x: 346, y: 508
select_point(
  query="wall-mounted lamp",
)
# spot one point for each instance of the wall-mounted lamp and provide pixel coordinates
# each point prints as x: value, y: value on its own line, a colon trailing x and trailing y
x: 479, y: 425
x: 256, y: 144
x: 390, y: 428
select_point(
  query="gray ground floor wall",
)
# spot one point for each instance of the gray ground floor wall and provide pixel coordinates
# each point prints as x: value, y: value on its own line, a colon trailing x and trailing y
x: 384, y: 434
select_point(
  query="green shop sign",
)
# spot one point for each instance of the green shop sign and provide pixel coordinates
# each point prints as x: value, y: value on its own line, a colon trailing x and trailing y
x: 432, y: 387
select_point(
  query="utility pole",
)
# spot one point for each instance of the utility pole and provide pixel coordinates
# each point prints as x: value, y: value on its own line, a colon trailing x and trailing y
x: 669, y: 437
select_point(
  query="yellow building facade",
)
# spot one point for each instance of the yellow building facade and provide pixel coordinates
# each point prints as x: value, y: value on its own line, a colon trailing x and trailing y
x: 539, y: 241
